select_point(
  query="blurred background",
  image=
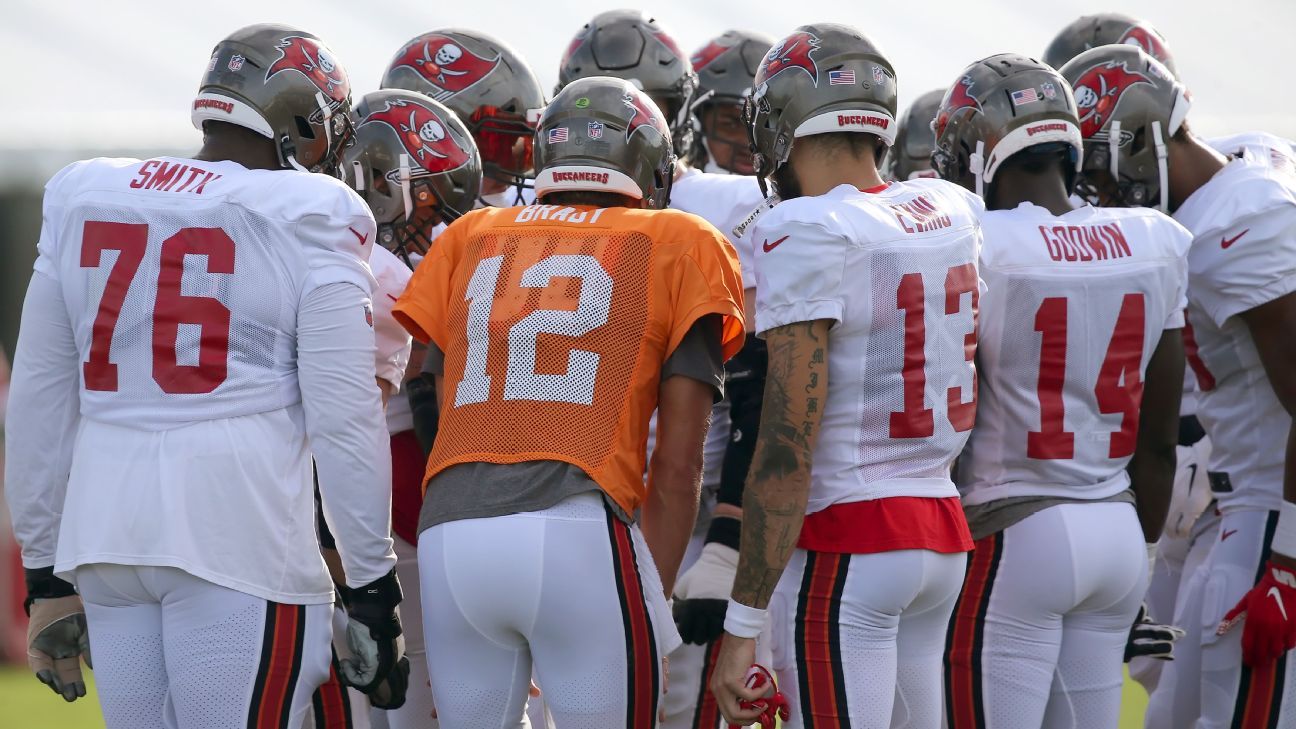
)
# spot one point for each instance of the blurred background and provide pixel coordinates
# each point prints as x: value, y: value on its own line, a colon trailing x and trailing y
x: 87, y: 78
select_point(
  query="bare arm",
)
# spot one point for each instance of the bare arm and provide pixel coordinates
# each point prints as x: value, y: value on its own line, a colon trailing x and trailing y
x: 1273, y: 329
x: 675, y: 473
x: 1153, y: 466
x: 778, y: 486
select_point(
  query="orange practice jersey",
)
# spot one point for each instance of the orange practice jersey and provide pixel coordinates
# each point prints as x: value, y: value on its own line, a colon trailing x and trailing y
x: 555, y: 322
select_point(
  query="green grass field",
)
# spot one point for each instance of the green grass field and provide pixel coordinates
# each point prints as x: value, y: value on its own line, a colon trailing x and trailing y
x: 26, y: 704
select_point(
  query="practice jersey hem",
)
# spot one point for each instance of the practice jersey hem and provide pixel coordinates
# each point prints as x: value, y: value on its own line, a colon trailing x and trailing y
x: 923, y: 488
x: 66, y: 569
x: 976, y: 494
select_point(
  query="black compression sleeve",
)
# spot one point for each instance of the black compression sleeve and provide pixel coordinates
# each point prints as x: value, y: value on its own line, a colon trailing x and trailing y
x: 745, y: 386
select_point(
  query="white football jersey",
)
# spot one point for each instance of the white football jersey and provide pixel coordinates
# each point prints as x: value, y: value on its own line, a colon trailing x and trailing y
x: 1073, y: 310
x: 895, y: 272
x: 723, y: 201
x: 183, y: 281
x: 1281, y: 152
x: 1243, y: 255
x: 393, y: 342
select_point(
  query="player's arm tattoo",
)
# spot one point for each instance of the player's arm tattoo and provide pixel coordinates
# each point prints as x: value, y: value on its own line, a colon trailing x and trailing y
x: 778, y: 484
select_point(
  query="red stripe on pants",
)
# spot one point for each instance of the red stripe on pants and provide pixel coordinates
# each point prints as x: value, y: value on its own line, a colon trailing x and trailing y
x: 643, y: 694
x: 822, y: 676
x: 964, y: 660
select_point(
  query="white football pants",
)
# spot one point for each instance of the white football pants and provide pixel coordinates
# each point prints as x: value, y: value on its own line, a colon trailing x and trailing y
x: 1038, y: 638
x: 173, y: 651
x: 1207, y: 682
x: 570, y: 589
x: 1178, y: 558
x: 860, y: 637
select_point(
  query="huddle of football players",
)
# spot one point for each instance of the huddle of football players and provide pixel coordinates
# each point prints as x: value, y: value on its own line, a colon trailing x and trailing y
x: 715, y: 393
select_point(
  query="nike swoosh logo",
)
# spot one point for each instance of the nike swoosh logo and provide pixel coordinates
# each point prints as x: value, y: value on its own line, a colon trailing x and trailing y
x: 1277, y: 596
x: 1227, y: 533
x: 771, y: 246
x: 1226, y: 242
x: 364, y: 238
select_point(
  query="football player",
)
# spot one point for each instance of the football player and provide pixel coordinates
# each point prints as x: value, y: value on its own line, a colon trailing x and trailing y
x: 202, y: 325
x: 725, y: 67
x: 915, y: 140
x: 1193, y: 521
x: 492, y: 90
x: 1080, y: 366
x: 866, y: 295
x: 416, y: 166
x: 555, y: 330
x: 708, y: 85
x: 1140, y: 151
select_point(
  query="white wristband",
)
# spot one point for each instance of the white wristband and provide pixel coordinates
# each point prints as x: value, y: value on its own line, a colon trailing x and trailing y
x: 1284, y: 538
x: 743, y: 621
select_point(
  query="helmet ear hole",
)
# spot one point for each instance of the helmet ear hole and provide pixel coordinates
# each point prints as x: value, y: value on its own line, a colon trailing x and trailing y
x: 1139, y: 142
x: 304, y: 128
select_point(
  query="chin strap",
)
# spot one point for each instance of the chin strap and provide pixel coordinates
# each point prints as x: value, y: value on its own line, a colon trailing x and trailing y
x: 1162, y: 172
x: 976, y: 164
x: 404, y: 174
x: 1113, y: 150
x: 358, y: 170
x: 328, y: 118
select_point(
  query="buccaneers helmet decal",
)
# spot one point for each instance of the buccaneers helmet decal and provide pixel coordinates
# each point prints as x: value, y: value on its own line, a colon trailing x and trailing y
x: 310, y: 58
x: 423, y: 135
x: 1098, y: 91
x: 708, y: 53
x: 444, y: 63
x: 1147, y: 39
x: 794, y: 51
x: 958, y: 97
x: 641, y: 115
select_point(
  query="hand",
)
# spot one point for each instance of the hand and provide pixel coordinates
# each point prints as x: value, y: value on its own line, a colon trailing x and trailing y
x: 1192, y: 492
x: 57, y: 640
x: 702, y: 594
x: 1150, y: 639
x: 373, y: 632
x: 729, y: 680
x: 1270, y: 628
x: 390, y: 692
x: 57, y: 637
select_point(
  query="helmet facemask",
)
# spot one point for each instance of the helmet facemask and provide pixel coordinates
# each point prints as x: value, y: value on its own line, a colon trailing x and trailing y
x: 506, y: 142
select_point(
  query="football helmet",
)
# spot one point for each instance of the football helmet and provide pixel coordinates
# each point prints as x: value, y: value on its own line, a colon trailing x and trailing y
x: 998, y: 107
x: 284, y: 84
x: 414, y: 163
x: 1091, y: 31
x: 725, y: 67
x: 1129, y: 105
x: 605, y: 135
x: 910, y: 157
x: 492, y: 90
x: 625, y: 44
x: 822, y: 78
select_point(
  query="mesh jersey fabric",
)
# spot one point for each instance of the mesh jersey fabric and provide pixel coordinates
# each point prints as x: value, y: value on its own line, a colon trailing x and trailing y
x: 1067, y: 298
x: 895, y: 272
x: 555, y: 322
